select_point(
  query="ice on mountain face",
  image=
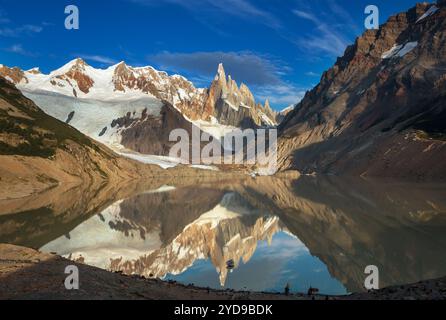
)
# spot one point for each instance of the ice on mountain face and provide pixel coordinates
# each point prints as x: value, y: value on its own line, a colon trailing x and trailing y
x: 266, y: 119
x: 94, y: 108
x: 391, y: 53
x: 245, y: 106
x: 428, y: 13
x: 91, y: 116
x: 163, y: 162
x: 289, y: 108
x: 177, y: 76
x: 407, y: 48
x: 103, y: 87
x: 230, y: 105
x: 400, y: 50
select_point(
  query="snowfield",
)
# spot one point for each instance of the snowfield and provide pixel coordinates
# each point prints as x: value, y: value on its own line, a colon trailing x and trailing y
x: 94, y: 112
x: 400, y: 50
x: 91, y: 117
x: 428, y: 13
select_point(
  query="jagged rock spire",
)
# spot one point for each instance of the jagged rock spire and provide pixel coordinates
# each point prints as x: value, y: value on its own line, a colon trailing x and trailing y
x: 267, y: 105
x: 221, y: 74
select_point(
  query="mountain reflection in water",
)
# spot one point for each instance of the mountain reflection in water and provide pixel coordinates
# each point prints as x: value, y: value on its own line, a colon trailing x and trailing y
x: 320, y: 232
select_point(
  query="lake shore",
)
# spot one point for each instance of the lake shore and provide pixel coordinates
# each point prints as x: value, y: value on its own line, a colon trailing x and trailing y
x: 29, y: 274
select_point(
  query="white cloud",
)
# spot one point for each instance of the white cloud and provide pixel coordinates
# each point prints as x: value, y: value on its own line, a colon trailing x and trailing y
x: 306, y: 15
x: 244, y: 66
x: 262, y: 73
x: 18, y: 49
x: 18, y: 31
x: 281, y: 96
x: 325, y: 37
x: 312, y: 74
x: 3, y: 17
x: 240, y: 8
x: 97, y: 58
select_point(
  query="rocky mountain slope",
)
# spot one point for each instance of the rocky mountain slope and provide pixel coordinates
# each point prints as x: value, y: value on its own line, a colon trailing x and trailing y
x: 236, y: 106
x: 280, y: 116
x: 380, y: 110
x: 39, y: 152
x: 124, y: 107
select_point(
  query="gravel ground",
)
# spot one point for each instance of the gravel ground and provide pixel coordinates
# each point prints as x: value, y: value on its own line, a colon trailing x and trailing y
x: 29, y: 274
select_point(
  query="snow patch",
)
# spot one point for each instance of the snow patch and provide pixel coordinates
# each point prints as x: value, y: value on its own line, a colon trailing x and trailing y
x: 92, y: 116
x: 161, y: 161
x: 428, y: 13
x: 407, y: 48
x: 392, y: 52
x: 230, y: 104
x: 289, y: 108
x: 266, y: 119
x: 400, y: 50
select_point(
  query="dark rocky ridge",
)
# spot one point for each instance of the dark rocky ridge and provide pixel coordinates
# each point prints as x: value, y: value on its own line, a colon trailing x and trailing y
x: 375, y: 116
x: 149, y: 134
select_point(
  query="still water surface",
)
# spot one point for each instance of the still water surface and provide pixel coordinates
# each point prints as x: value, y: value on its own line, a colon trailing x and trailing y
x: 257, y: 234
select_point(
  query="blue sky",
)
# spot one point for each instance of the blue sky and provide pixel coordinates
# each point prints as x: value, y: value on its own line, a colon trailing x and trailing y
x: 278, y: 48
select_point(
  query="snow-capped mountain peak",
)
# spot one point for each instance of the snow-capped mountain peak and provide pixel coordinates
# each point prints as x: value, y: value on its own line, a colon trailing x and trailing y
x: 35, y: 70
x: 121, y: 106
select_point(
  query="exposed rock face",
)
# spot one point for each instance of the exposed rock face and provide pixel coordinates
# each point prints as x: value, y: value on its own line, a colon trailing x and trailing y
x: 14, y: 75
x: 236, y: 106
x: 77, y: 73
x: 149, y: 134
x: 224, y: 100
x: 120, y: 106
x: 39, y: 152
x: 381, y: 109
x: 175, y: 89
x: 280, y: 116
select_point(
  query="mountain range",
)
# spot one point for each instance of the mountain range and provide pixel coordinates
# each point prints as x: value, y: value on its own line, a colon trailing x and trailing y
x: 379, y: 111
x: 136, y: 108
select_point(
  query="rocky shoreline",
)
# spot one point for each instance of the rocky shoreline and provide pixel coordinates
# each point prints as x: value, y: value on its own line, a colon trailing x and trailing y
x: 27, y: 274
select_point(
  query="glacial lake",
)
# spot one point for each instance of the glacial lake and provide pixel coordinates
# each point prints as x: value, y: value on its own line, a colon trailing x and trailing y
x: 249, y: 234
